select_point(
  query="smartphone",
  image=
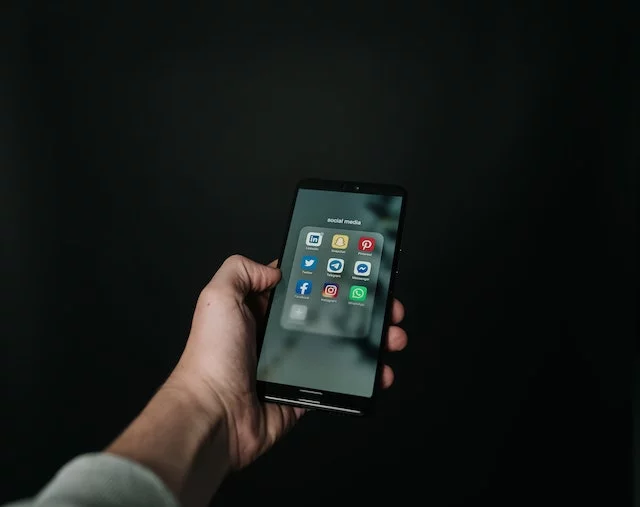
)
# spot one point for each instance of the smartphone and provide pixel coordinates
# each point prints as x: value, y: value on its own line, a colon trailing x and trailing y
x: 321, y: 341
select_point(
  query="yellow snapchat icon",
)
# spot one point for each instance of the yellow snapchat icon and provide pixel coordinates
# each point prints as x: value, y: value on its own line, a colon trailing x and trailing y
x: 340, y: 241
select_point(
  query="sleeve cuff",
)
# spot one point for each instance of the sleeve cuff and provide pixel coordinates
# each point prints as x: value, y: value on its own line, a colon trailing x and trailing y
x: 105, y: 480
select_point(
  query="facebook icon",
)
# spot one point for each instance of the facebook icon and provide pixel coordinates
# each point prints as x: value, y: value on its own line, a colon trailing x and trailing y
x: 303, y: 287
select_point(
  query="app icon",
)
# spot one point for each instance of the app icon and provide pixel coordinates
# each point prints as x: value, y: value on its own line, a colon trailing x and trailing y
x: 357, y: 293
x: 340, y: 241
x: 362, y: 268
x: 314, y: 239
x: 303, y: 287
x: 335, y: 265
x: 298, y: 312
x: 309, y: 263
x: 330, y: 290
x: 366, y: 244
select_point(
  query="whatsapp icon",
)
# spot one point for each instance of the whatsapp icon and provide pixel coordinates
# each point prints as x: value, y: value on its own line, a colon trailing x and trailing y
x: 358, y: 293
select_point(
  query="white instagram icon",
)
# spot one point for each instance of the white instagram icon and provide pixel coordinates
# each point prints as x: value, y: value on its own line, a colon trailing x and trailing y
x: 330, y: 290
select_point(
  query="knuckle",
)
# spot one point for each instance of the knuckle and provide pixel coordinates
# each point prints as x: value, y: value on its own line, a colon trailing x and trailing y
x: 234, y: 260
x: 207, y: 293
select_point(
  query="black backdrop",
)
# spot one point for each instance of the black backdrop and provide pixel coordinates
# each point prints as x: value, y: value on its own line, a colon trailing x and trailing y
x: 144, y: 142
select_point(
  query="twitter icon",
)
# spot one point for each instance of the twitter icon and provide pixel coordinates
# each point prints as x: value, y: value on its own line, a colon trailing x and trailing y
x: 309, y: 263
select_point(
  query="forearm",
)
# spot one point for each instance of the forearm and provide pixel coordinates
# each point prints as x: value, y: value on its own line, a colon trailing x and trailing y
x: 180, y: 440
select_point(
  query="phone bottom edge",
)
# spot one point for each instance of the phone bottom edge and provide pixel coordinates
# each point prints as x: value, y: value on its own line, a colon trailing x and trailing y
x: 313, y: 405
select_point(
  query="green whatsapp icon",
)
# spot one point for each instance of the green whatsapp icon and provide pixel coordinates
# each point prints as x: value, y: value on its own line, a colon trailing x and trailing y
x: 358, y: 293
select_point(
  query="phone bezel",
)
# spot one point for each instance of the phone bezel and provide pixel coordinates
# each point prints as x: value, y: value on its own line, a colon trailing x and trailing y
x: 317, y: 398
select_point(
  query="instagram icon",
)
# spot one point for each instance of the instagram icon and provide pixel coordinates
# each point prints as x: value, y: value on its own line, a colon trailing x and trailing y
x: 330, y: 290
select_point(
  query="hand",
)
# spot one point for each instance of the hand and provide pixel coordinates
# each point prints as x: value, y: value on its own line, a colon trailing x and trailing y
x: 218, y: 366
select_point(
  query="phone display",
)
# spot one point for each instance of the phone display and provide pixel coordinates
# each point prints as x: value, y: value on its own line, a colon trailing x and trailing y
x: 327, y: 317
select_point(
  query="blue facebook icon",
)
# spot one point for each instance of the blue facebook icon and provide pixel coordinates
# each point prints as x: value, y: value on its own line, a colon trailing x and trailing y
x: 303, y: 287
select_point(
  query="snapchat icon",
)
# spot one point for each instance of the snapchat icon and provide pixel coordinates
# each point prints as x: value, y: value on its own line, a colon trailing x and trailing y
x: 340, y: 241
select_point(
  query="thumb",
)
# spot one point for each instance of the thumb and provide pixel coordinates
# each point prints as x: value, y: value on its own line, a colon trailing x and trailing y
x: 245, y: 276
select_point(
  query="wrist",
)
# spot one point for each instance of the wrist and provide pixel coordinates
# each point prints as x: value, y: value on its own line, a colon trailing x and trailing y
x: 183, y: 438
x: 202, y: 406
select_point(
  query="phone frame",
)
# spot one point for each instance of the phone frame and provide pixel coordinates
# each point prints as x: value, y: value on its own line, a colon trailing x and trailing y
x: 316, y: 398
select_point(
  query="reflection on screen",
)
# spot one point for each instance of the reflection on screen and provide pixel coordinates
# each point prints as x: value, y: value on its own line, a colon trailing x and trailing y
x: 326, y: 320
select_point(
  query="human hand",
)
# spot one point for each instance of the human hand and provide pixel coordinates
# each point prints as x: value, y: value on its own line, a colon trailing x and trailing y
x: 218, y: 366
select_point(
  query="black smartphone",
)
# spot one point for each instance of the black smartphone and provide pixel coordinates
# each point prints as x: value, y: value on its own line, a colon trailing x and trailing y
x: 321, y: 342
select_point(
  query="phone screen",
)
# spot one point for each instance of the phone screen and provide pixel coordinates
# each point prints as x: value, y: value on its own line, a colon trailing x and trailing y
x: 327, y: 314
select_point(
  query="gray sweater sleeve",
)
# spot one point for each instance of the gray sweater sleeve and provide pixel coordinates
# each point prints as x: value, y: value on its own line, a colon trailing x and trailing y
x: 103, y: 480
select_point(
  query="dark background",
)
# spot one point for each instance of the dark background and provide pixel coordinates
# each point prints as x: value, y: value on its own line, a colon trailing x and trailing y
x: 141, y: 143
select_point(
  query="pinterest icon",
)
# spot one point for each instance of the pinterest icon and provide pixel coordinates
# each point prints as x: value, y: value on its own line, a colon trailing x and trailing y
x: 366, y: 244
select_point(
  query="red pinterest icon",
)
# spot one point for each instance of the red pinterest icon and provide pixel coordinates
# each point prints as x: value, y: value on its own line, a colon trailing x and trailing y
x: 366, y: 244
